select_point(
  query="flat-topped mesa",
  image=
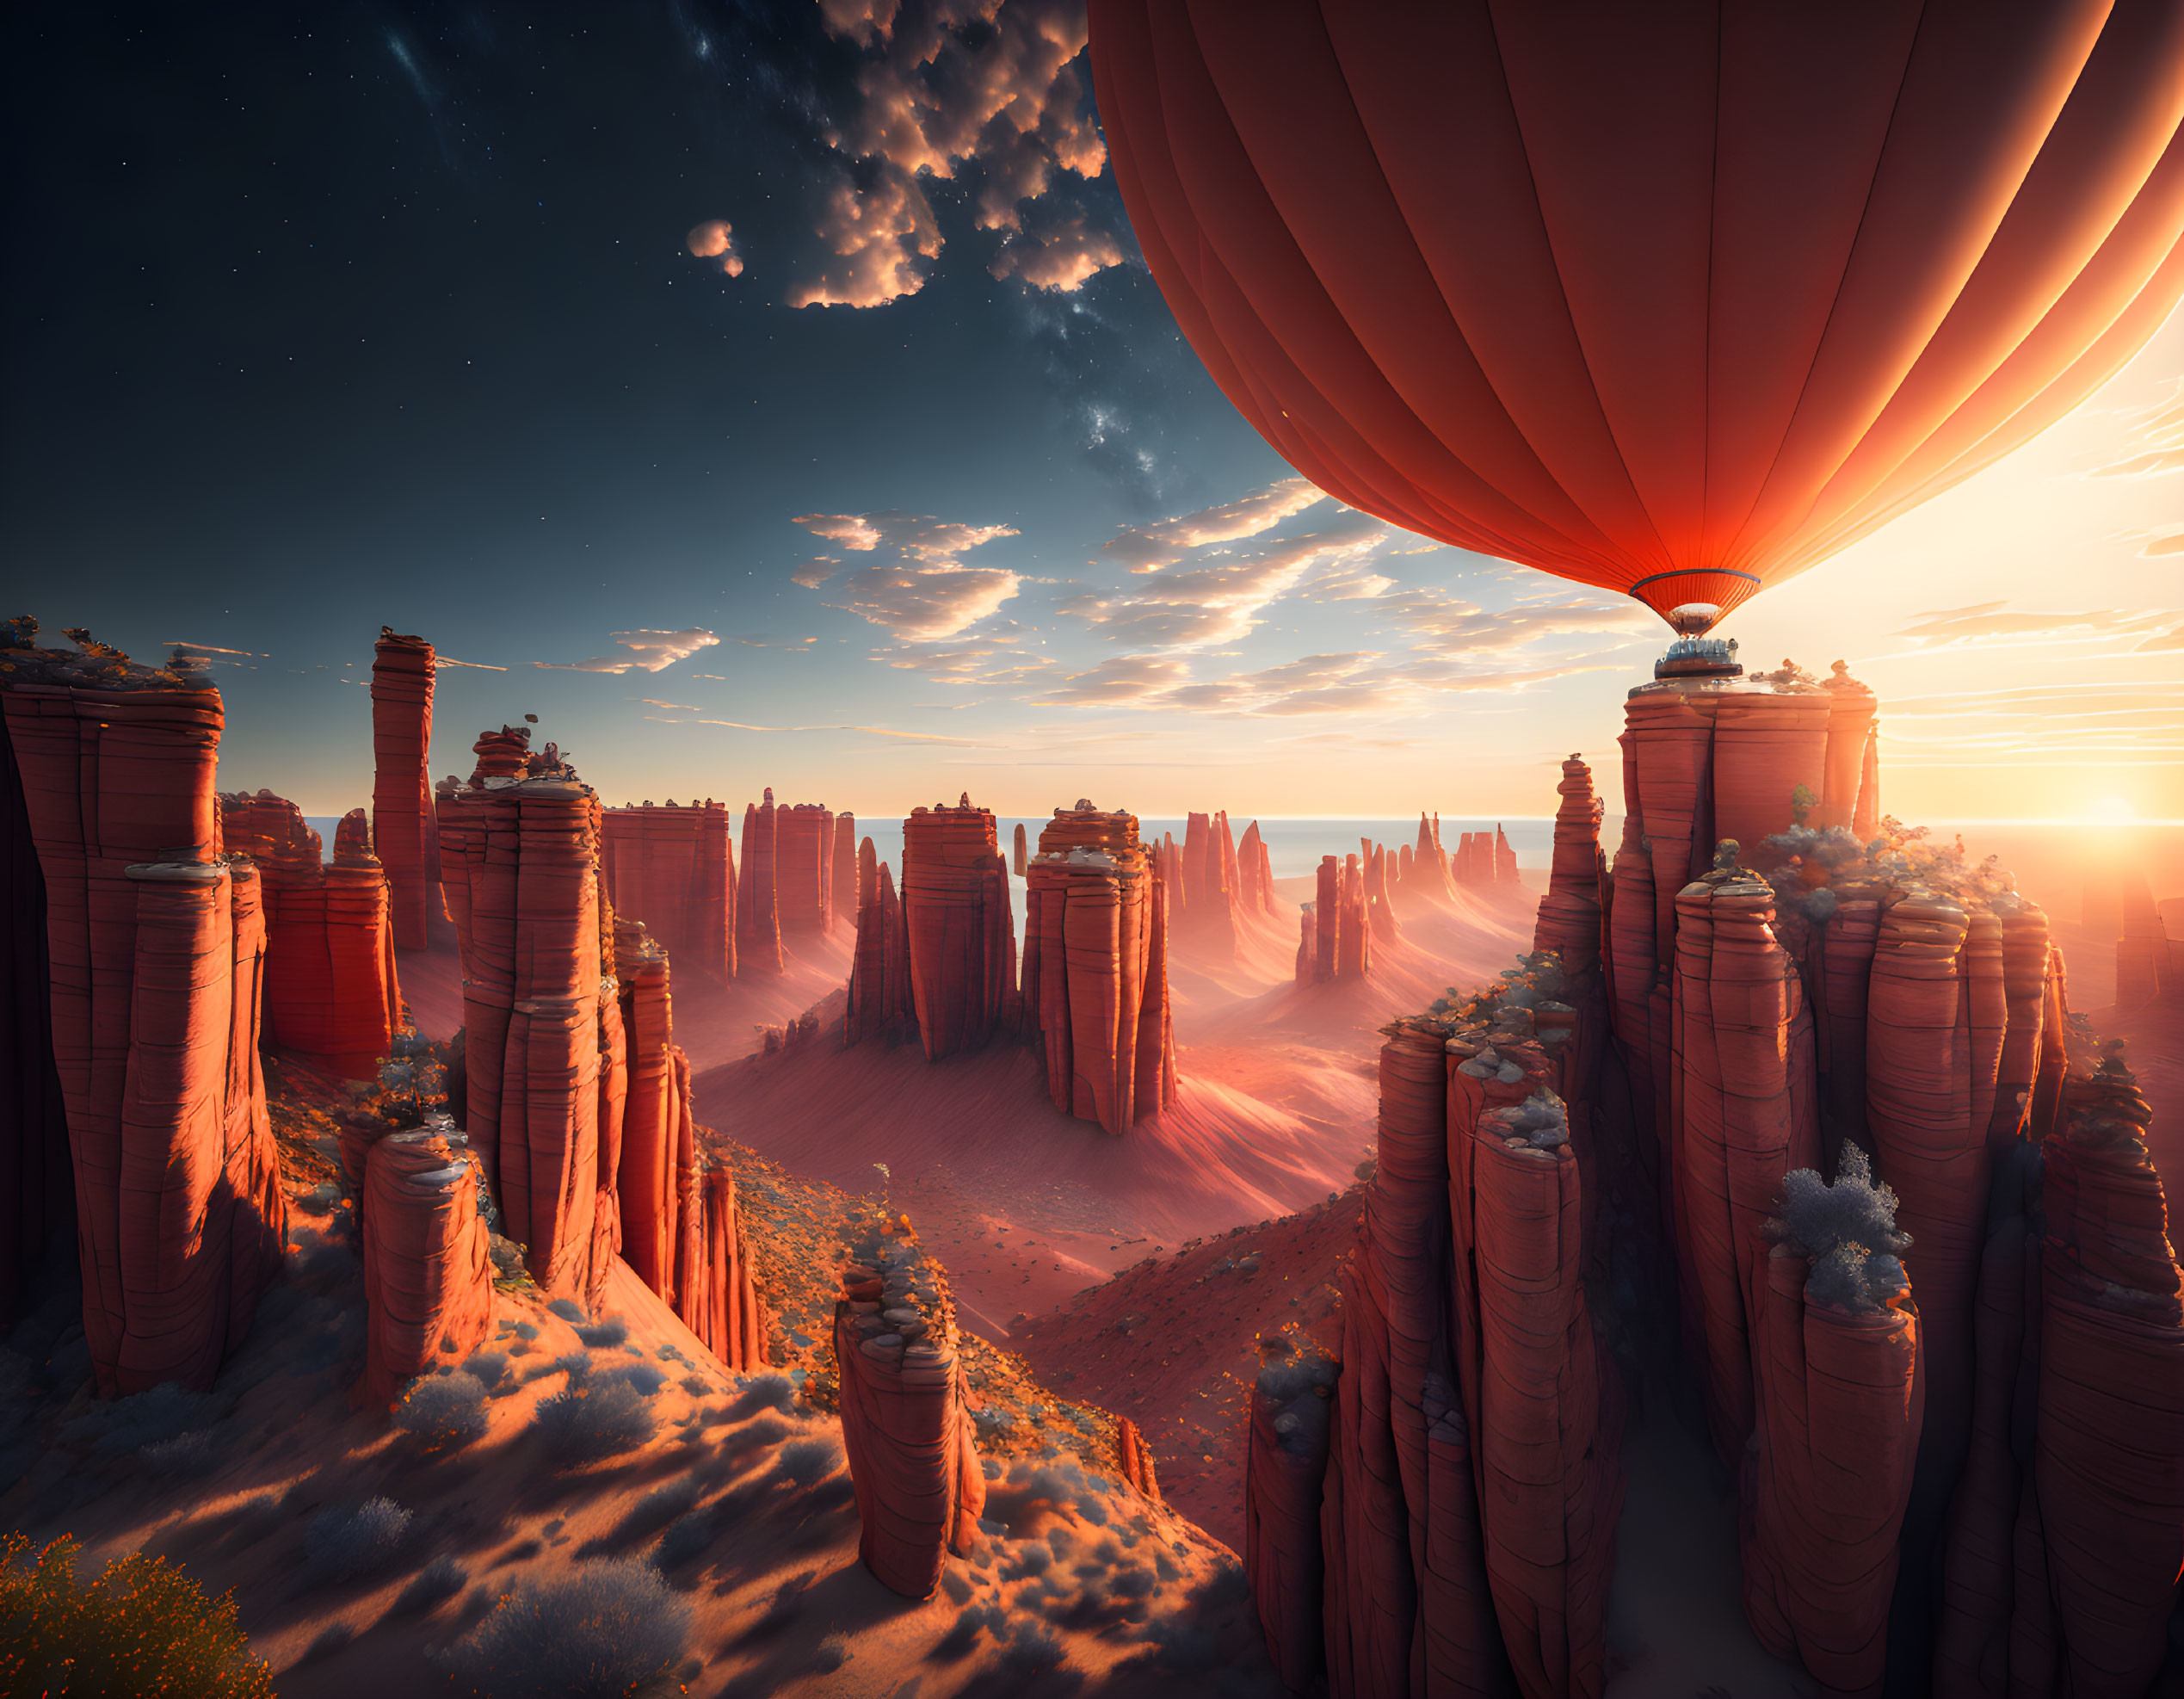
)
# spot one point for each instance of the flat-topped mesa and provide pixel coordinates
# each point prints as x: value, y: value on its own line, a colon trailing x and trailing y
x: 402, y: 796
x: 906, y: 1413
x: 1453, y: 1539
x: 428, y: 1263
x: 878, y: 1006
x: 134, y: 963
x: 758, y: 914
x: 331, y: 988
x: 803, y: 867
x: 1095, y: 968
x: 519, y: 858
x: 674, y: 867
x: 961, y: 933
x: 1569, y: 920
x: 1712, y: 755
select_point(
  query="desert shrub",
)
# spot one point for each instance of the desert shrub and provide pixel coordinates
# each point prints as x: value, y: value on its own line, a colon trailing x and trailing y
x: 568, y: 1309
x: 433, y: 1586
x: 577, y: 1365
x: 1848, y: 1230
x: 331, y: 1639
x: 527, y: 1330
x: 346, y: 1541
x: 808, y: 1462
x: 696, y: 1385
x: 763, y: 1392
x: 831, y: 1654
x: 590, y: 1423
x: 445, y: 1412
x: 117, y: 1427
x: 491, y: 1369
x: 686, y: 1537
x: 142, y: 1626
x: 642, y: 1375
x: 612, y: 1626
x: 601, y: 1334
x: 186, y: 1456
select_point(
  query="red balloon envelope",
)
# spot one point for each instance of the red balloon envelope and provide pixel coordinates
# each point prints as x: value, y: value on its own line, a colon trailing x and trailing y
x: 1671, y: 299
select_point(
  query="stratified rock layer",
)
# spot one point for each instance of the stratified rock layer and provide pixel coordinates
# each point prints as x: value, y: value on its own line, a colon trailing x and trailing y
x: 962, y: 938
x: 427, y: 1268
x: 879, y: 1005
x: 330, y: 987
x: 803, y: 867
x: 905, y: 1415
x: 155, y: 949
x: 1095, y: 969
x: 674, y: 867
x: 403, y: 828
x: 758, y: 918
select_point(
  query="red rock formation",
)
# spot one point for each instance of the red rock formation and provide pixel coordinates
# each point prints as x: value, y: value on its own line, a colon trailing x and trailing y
x: 1137, y: 1461
x: 1019, y: 855
x: 652, y: 1114
x: 155, y: 952
x: 879, y: 1005
x: 1429, y: 863
x: 402, y: 798
x: 523, y: 853
x: 427, y: 1270
x: 674, y: 867
x: 1354, y: 939
x: 758, y: 920
x: 331, y: 988
x: 1569, y: 921
x: 1203, y: 884
x: 1840, y: 1400
x: 841, y: 876
x: 1292, y: 1409
x: 1326, y: 921
x: 1851, y: 708
x: 1866, y: 821
x: 730, y: 1322
x: 962, y: 936
x: 2108, y: 1460
x: 1380, y: 906
x: 906, y: 1416
x: 1254, y: 874
x: 803, y: 846
x: 1095, y: 969
x: 1505, y: 862
x: 1770, y: 752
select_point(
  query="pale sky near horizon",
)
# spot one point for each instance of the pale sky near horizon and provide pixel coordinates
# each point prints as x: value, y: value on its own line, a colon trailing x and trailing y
x: 428, y: 324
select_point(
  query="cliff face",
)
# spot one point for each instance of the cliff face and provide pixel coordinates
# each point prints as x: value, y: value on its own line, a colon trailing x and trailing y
x: 960, y: 938
x: 403, y: 826
x: 1914, y: 1238
x: 577, y: 1098
x: 427, y: 1268
x: 1095, y: 969
x: 154, y: 952
x: 331, y: 990
x: 758, y: 918
x: 675, y: 866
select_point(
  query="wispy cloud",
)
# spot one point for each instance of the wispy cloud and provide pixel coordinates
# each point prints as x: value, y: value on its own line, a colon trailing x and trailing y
x: 924, y: 592
x: 871, y: 730
x: 650, y: 651
x: 1148, y: 548
x: 1985, y: 621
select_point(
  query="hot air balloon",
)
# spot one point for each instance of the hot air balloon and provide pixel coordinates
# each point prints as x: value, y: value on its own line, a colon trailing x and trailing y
x: 1674, y: 299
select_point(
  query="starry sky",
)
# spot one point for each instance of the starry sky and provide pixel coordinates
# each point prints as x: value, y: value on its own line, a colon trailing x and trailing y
x: 773, y: 394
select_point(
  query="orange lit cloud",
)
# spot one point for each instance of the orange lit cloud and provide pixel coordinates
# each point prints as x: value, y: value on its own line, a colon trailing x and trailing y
x: 650, y: 651
x: 985, y: 91
x: 715, y: 240
x: 926, y: 592
x: 1147, y: 548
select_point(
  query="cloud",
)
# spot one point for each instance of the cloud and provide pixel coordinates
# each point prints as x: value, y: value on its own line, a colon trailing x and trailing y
x: 1124, y: 680
x: 1219, y: 599
x: 871, y: 730
x: 1148, y: 548
x: 715, y: 240
x: 450, y: 661
x: 650, y: 651
x: 2171, y: 544
x: 985, y: 94
x: 817, y: 571
x: 1451, y: 625
x: 926, y: 592
x: 2116, y: 722
x: 1984, y: 620
x: 1356, y: 682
